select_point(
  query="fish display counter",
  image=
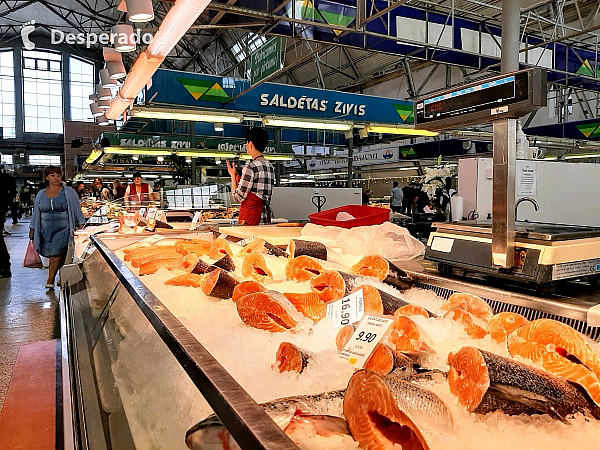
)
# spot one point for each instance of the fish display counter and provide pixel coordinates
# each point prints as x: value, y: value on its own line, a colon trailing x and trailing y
x: 195, y: 341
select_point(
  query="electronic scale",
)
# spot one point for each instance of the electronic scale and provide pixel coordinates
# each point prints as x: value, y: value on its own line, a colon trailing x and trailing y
x: 544, y: 253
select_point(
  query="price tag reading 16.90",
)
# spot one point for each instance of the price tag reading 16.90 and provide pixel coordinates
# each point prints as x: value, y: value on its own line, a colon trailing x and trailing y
x: 347, y: 310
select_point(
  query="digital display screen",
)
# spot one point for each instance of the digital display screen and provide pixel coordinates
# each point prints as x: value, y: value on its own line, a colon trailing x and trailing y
x: 488, y: 95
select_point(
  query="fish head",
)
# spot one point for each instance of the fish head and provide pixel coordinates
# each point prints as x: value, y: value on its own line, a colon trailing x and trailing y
x: 210, y: 434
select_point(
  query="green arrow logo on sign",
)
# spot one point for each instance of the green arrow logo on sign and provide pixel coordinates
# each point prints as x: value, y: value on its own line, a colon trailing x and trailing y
x: 589, y: 130
x: 405, y: 112
x: 204, y: 90
x: 408, y: 152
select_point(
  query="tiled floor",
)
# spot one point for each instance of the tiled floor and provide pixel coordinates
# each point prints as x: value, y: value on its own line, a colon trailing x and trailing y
x: 28, y: 311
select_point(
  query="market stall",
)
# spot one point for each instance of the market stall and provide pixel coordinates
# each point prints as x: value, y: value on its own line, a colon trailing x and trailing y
x: 152, y: 356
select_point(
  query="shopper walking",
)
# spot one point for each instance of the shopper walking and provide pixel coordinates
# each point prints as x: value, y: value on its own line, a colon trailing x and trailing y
x: 7, y: 192
x: 56, y: 215
x: 396, y: 198
x: 407, y: 198
x: 254, y: 188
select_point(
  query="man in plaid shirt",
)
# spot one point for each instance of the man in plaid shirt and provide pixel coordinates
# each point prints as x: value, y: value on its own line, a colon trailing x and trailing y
x: 254, y: 188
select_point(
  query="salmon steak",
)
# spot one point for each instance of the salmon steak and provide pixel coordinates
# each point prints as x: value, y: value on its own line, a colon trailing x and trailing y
x: 268, y: 310
x: 220, y: 247
x: 385, y: 360
x: 134, y: 253
x: 504, y: 323
x: 187, y: 262
x: 470, y: 303
x: 226, y: 263
x: 245, y: 288
x: 343, y: 336
x: 255, y: 266
x: 406, y: 336
x: 164, y: 263
x: 302, y: 268
x: 218, y: 283
x: 372, y: 266
x: 256, y: 245
x: 561, y: 350
x: 411, y: 310
x: 309, y: 304
x: 189, y: 279
x: 198, y: 246
x: 291, y: 358
x: 371, y: 299
x: 386, y: 413
x: 330, y: 285
x: 484, y: 382
x: 298, y: 247
x: 473, y: 326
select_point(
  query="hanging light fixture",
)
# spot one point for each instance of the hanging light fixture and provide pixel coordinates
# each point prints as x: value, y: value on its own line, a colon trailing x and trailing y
x: 105, y: 80
x: 114, y: 63
x: 103, y: 93
x: 139, y: 10
x: 104, y: 104
x: 93, y: 97
x: 96, y: 111
x: 219, y: 126
x: 123, y: 37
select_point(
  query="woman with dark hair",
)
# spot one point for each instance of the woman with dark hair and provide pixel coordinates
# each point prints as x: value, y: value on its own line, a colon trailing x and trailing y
x: 138, y: 193
x: 56, y: 215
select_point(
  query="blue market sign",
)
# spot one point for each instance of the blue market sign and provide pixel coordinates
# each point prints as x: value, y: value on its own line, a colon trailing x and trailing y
x: 208, y: 91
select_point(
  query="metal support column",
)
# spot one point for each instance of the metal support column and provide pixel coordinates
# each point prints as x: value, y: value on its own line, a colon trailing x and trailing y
x: 277, y: 140
x: 350, y: 159
x: 505, y: 149
x: 193, y: 146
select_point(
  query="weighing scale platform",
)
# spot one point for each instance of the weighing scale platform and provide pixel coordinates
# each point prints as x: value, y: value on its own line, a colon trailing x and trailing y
x: 544, y: 253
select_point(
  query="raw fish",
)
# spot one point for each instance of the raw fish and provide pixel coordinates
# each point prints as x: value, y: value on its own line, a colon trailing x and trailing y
x: 469, y: 322
x: 504, y: 323
x: 484, y: 382
x: 198, y: 246
x: 254, y: 266
x: 302, y: 268
x: 218, y: 283
x: 470, y: 303
x: 298, y: 247
x: 406, y: 336
x: 219, y: 247
x: 268, y: 310
x: 291, y: 358
x: 412, y: 310
x: 371, y: 299
x: 153, y: 266
x: 189, y: 279
x: 245, y: 288
x: 226, y: 263
x: 309, y: 304
x: 561, y: 350
x: 384, y: 412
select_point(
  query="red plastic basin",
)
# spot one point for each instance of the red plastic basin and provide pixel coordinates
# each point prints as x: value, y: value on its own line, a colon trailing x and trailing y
x: 365, y: 215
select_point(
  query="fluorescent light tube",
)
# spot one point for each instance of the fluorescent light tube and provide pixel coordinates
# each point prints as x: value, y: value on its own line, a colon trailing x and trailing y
x: 136, y: 151
x: 314, y: 124
x: 399, y: 130
x: 186, y: 115
x: 207, y: 154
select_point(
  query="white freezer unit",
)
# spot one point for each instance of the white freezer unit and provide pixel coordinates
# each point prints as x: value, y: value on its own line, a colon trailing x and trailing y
x: 565, y: 192
x: 295, y: 203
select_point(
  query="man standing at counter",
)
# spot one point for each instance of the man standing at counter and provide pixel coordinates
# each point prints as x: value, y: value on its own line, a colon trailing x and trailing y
x: 254, y: 188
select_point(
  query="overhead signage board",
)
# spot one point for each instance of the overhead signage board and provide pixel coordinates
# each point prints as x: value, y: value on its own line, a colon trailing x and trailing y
x: 266, y: 60
x: 182, y: 143
x: 364, y: 158
x: 176, y: 88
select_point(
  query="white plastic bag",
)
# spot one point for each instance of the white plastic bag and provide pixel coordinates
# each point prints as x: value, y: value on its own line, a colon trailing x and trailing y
x: 388, y: 240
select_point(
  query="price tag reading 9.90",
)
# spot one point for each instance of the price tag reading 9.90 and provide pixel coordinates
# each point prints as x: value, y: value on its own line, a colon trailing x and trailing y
x: 369, y: 332
x: 366, y: 337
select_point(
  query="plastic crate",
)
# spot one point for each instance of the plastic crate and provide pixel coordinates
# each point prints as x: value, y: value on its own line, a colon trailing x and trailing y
x: 365, y: 215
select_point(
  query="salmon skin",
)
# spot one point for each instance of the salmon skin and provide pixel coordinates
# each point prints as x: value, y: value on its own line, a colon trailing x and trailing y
x: 268, y: 310
x: 203, y: 267
x: 323, y: 410
x: 226, y: 263
x: 291, y: 358
x: 218, y: 283
x: 561, y: 350
x: 298, y: 247
x: 385, y: 411
x: 485, y: 382
x: 398, y: 278
x: 261, y: 246
x: 245, y: 288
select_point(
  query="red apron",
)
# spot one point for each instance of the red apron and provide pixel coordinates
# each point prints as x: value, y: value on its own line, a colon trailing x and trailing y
x: 134, y: 197
x: 251, y: 210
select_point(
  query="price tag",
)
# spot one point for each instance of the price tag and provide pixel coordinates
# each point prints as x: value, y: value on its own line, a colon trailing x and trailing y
x: 195, y: 220
x: 151, y: 219
x: 369, y: 332
x: 347, y: 310
x: 246, y: 241
x: 104, y: 210
x: 95, y: 220
x: 152, y: 239
x: 137, y: 218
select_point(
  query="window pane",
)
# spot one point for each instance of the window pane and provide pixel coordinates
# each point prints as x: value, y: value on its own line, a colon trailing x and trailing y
x: 81, y: 77
x: 7, y: 96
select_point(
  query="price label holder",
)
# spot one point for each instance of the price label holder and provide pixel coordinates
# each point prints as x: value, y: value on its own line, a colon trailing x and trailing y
x: 139, y: 216
x: 195, y: 220
x: 246, y: 241
x: 151, y: 219
x: 347, y: 310
x: 152, y: 239
x: 362, y: 343
x: 104, y: 210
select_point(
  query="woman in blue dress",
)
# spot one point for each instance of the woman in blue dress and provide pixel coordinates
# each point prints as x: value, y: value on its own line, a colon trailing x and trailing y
x: 56, y: 215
